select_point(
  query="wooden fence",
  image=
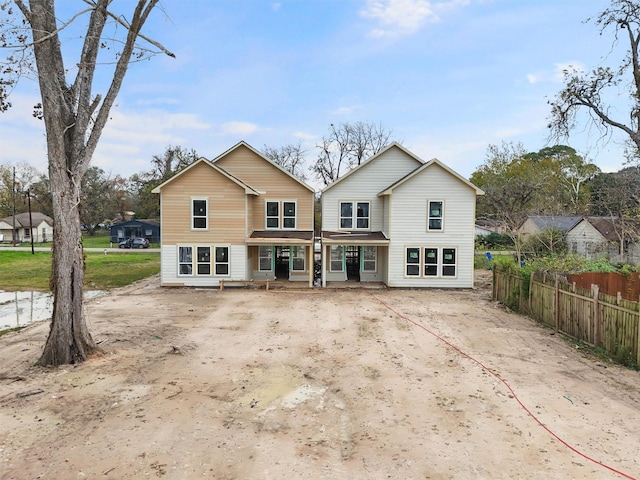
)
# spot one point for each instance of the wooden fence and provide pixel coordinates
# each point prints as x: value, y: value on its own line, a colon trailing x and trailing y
x: 605, y: 321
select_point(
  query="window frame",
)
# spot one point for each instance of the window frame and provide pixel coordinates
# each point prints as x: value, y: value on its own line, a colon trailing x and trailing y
x: 430, y: 265
x: 408, y: 264
x: 198, y: 262
x: 185, y: 262
x: 333, y: 248
x: 296, y: 255
x: 365, y: 260
x: 289, y: 217
x: 446, y: 265
x: 217, y: 263
x: 357, y: 216
x: 269, y: 257
x: 205, y: 216
x: 353, y: 220
x: 431, y: 217
x: 268, y: 217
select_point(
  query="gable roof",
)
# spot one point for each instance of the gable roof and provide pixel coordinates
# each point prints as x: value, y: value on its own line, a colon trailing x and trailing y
x: 607, y: 227
x: 372, y: 159
x: 561, y: 222
x: 434, y: 161
x: 247, y: 189
x: 242, y: 143
x: 22, y: 219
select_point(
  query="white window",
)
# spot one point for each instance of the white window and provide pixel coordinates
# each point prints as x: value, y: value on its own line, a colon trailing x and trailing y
x: 449, y: 262
x: 265, y: 258
x: 185, y: 261
x: 203, y: 260
x: 354, y: 215
x: 435, y: 215
x: 289, y: 215
x: 199, y: 214
x: 430, y: 262
x: 221, y: 260
x: 412, y: 262
x: 273, y: 214
x: 297, y: 259
x: 337, y: 258
x: 369, y: 254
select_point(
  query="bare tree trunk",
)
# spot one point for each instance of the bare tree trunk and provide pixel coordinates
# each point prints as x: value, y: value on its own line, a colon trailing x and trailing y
x: 69, y: 340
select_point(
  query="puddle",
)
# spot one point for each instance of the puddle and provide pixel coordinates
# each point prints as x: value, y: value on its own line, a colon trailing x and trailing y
x: 18, y: 309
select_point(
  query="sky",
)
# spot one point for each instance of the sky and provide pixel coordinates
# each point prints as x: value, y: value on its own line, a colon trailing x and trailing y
x: 448, y: 78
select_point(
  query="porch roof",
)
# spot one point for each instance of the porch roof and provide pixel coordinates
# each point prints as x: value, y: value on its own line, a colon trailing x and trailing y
x: 354, y: 238
x: 281, y: 237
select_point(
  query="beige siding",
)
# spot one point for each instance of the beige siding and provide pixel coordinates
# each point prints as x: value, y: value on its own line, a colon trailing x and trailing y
x: 271, y: 182
x: 226, y: 204
x: 585, y: 240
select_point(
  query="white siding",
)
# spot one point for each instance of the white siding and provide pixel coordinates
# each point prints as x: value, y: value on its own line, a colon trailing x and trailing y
x: 169, y: 268
x: 408, y: 217
x: 364, y: 185
x: 585, y: 240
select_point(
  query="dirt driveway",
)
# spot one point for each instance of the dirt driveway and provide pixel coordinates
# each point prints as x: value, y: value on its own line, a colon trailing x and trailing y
x: 346, y: 384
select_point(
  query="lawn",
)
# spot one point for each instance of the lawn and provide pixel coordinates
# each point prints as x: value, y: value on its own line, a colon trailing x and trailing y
x: 23, y: 271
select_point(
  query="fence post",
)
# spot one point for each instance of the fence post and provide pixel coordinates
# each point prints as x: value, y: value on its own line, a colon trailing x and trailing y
x: 557, y: 304
x: 595, y: 291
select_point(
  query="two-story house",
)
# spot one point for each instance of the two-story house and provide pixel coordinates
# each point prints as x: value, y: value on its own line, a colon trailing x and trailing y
x: 239, y: 217
x: 399, y: 220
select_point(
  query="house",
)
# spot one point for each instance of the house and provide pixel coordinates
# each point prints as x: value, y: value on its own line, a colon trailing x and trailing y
x: 600, y: 237
x: 399, y: 220
x: 149, y: 229
x: 535, y: 224
x: 39, y: 226
x: 239, y: 217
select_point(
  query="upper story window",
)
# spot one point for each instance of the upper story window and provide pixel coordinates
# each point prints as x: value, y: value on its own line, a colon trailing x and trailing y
x: 280, y: 214
x: 199, y: 214
x: 435, y: 215
x: 354, y: 215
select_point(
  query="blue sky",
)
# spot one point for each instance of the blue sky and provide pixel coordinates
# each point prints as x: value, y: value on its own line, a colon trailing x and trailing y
x: 448, y: 77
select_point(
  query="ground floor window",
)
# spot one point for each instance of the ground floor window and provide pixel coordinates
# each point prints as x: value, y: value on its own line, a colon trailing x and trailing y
x: 265, y: 258
x: 222, y: 261
x: 297, y: 259
x: 369, y: 254
x: 201, y: 263
x: 435, y: 261
x: 337, y: 258
x: 204, y: 260
x: 27, y: 233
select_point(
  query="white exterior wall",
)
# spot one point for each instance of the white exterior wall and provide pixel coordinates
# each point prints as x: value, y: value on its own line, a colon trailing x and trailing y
x: 408, y: 217
x: 583, y: 234
x: 364, y: 185
x: 169, y: 268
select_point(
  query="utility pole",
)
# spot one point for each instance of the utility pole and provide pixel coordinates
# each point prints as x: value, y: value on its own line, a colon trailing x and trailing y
x: 13, y: 233
x: 33, y: 252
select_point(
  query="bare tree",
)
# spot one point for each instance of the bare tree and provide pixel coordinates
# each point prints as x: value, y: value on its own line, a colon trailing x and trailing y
x: 290, y: 158
x: 347, y: 146
x: 74, y: 118
x: 588, y: 92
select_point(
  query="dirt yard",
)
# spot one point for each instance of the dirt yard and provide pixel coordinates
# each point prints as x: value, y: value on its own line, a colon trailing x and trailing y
x: 309, y: 384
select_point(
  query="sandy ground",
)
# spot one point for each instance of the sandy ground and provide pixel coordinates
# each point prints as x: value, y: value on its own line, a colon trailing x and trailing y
x: 336, y: 384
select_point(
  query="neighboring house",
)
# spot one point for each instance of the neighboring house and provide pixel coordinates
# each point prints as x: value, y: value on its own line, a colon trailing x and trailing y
x: 40, y: 227
x: 149, y: 229
x: 239, y: 217
x: 487, y: 227
x: 599, y: 237
x: 399, y: 220
x: 535, y: 224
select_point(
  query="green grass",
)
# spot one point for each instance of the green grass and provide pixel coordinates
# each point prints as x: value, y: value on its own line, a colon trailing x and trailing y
x: 24, y: 271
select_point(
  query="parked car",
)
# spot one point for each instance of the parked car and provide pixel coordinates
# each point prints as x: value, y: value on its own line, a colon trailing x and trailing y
x: 134, y: 243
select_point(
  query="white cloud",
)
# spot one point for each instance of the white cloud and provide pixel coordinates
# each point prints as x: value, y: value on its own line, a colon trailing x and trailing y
x: 304, y: 136
x: 239, y: 128
x: 404, y: 17
x: 346, y: 110
x: 557, y: 74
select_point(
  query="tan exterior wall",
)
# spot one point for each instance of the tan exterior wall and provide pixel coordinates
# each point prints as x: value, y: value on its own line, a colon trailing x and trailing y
x: 226, y: 205
x: 272, y: 184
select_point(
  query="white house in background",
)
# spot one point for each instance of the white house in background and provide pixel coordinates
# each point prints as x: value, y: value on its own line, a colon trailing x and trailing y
x: 399, y: 220
x: 40, y: 227
x: 535, y: 224
x: 598, y: 237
